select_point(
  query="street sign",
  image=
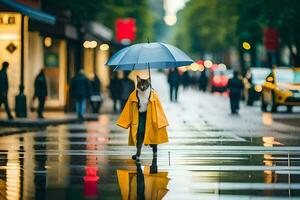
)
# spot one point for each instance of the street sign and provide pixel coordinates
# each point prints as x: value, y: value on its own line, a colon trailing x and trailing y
x: 125, y: 30
x: 11, y: 47
x: 270, y: 39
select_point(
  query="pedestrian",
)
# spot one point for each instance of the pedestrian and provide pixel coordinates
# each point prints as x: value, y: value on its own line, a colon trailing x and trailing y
x: 235, y: 86
x: 40, y: 92
x: 4, y: 89
x: 80, y: 91
x: 186, y: 79
x: 174, y: 81
x: 144, y: 115
x: 127, y: 87
x: 115, y: 90
x: 96, y: 97
x: 203, y: 81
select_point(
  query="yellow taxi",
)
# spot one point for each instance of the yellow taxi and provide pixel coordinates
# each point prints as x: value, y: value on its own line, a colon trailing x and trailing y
x: 281, y: 87
x: 253, y: 81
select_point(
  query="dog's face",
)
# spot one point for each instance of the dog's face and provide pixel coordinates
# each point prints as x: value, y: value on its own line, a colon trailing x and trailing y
x: 143, y: 84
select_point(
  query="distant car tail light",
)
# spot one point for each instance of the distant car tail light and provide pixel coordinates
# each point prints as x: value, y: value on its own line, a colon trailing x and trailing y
x: 217, y: 79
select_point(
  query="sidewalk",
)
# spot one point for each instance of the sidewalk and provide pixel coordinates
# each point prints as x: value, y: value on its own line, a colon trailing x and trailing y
x: 51, y: 119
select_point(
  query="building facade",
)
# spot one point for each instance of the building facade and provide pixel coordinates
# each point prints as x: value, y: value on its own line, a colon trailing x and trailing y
x: 31, y: 39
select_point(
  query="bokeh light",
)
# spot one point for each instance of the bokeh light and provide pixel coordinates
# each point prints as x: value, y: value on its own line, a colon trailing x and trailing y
x: 201, y: 68
x: 48, y: 41
x: 246, y: 45
x: 104, y: 47
x: 90, y: 44
x: 208, y: 63
x: 222, y: 67
x: 170, y: 20
x: 194, y: 67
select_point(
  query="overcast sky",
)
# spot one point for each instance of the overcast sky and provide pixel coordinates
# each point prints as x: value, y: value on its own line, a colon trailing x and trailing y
x: 172, y: 6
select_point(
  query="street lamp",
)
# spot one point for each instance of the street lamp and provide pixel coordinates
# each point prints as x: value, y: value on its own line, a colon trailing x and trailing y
x: 104, y: 47
x: 90, y: 44
x: 246, y: 45
x: 48, y: 41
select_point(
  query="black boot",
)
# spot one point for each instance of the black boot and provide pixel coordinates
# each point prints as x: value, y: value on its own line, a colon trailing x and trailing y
x: 154, y: 150
x: 136, y: 157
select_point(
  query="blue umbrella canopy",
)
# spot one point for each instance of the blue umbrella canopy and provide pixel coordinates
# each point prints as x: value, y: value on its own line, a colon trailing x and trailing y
x: 148, y: 55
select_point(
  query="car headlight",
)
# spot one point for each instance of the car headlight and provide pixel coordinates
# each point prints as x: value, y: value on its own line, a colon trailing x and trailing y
x: 296, y: 93
x: 283, y: 89
x: 258, y: 88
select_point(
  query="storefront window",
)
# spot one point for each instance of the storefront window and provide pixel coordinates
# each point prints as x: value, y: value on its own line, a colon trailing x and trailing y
x: 10, y: 50
x: 51, y: 63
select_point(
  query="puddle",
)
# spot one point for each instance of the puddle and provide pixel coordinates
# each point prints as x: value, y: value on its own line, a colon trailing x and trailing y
x: 84, y: 161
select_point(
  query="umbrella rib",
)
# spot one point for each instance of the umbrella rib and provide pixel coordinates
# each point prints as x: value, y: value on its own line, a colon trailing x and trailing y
x: 116, y: 67
x: 138, y: 58
x: 168, y: 50
x: 123, y: 57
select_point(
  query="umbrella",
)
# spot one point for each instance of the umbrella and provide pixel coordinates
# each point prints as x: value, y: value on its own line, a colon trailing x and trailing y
x: 148, y: 55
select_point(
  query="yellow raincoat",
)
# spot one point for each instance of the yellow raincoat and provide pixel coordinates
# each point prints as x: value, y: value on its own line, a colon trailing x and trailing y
x: 156, y: 121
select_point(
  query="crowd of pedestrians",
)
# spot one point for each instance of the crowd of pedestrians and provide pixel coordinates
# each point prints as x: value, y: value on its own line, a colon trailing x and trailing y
x: 187, y: 79
x: 200, y: 81
x: 85, y: 91
x: 81, y: 90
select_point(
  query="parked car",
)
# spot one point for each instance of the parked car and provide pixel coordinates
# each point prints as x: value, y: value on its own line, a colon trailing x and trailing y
x: 253, y: 81
x: 282, y: 87
x: 220, y: 79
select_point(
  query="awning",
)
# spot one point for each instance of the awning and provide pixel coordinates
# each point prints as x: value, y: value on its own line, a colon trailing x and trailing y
x: 30, y: 12
x: 100, y: 31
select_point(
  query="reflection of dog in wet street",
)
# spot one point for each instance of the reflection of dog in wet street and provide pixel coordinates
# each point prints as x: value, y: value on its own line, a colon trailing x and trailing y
x: 143, y: 184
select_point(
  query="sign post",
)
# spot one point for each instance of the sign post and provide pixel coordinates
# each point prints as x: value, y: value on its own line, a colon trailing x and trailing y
x: 271, y: 44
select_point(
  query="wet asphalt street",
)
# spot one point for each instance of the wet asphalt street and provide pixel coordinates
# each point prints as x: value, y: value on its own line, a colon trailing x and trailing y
x: 211, y: 155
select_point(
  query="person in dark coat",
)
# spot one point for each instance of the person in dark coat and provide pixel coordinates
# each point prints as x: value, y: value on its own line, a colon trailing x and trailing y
x: 186, y: 79
x: 96, y: 97
x: 40, y: 92
x: 203, y: 81
x: 80, y: 91
x: 235, y: 86
x: 4, y: 89
x: 174, y: 82
x: 115, y: 90
x: 127, y: 87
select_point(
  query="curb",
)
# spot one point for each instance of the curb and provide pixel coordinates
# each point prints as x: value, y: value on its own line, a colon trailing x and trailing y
x: 40, y: 123
x: 11, y: 131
